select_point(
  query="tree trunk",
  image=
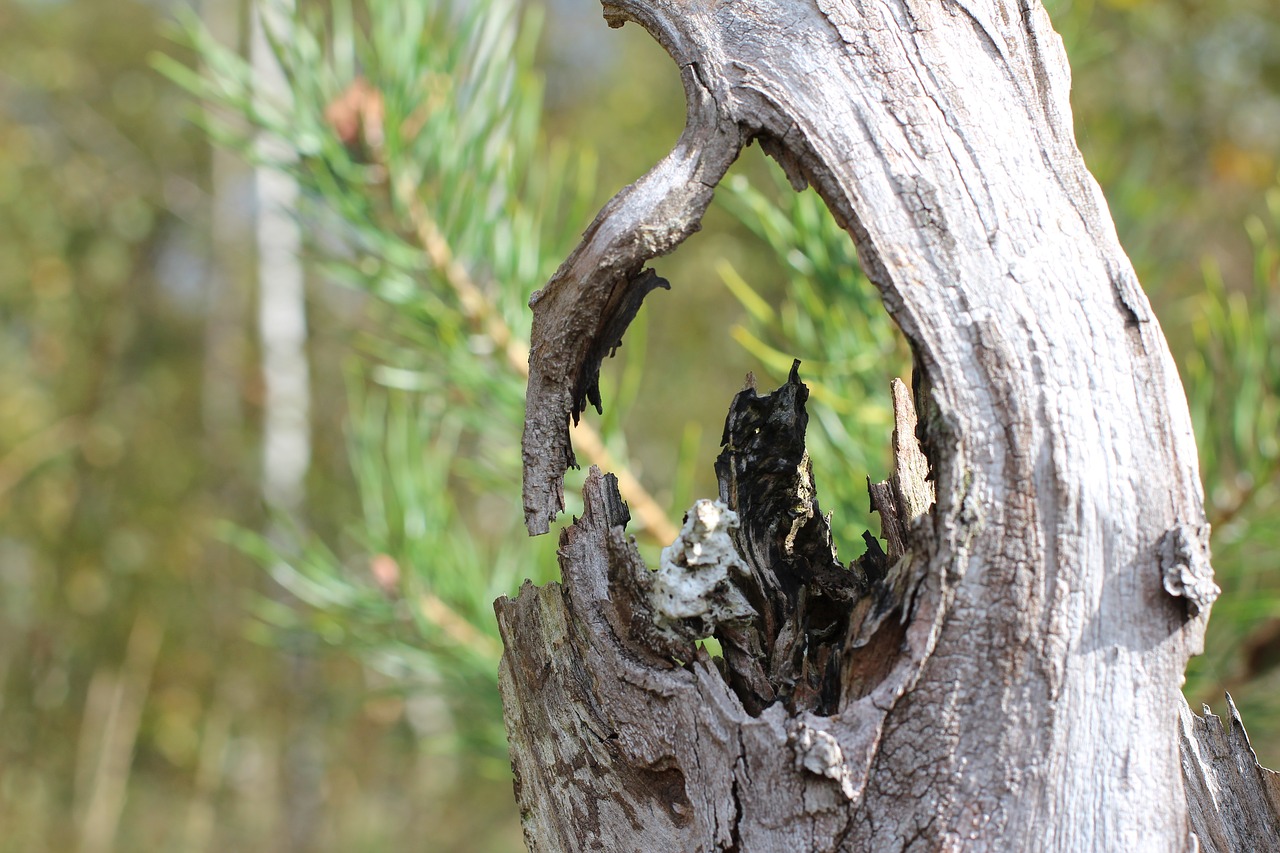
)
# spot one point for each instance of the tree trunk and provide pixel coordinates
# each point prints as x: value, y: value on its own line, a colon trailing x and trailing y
x: 1006, y: 675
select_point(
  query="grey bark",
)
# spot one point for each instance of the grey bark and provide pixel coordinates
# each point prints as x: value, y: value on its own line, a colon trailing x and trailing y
x: 1234, y: 802
x: 1006, y: 675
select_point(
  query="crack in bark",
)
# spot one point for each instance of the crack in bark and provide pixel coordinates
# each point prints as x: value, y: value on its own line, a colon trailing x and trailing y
x: 735, y: 829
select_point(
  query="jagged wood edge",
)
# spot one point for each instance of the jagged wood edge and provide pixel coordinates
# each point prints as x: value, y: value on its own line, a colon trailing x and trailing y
x: 586, y: 700
x: 1234, y: 801
x: 580, y: 315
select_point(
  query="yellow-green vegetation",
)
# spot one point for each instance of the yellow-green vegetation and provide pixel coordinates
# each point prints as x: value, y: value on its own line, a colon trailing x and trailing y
x: 175, y: 676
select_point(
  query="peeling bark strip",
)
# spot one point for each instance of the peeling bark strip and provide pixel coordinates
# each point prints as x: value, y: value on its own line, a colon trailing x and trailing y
x: 1006, y: 678
x: 581, y: 314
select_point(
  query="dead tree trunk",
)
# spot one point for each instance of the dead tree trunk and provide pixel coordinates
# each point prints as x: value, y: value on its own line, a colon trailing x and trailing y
x: 1005, y: 675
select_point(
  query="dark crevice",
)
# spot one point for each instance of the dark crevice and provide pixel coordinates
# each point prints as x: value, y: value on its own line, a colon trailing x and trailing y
x: 735, y: 831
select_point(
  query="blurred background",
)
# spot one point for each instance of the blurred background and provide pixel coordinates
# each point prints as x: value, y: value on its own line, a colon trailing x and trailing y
x: 260, y: 396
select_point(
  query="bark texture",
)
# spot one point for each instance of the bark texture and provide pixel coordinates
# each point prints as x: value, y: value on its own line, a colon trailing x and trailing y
x: 1005, y: 675
x: 1235, y: 802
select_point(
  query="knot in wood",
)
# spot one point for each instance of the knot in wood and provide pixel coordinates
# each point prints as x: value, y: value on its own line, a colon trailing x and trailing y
x: 819, y: 752
x: 1184, y: 564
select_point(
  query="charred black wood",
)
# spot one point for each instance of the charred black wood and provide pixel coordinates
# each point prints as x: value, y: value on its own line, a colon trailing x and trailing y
x: 802, y: 593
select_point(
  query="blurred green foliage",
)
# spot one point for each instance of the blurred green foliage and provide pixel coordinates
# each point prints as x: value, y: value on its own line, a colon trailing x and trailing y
x: 415, y: 143
x: 1232, y: 376
x: 144, y: 702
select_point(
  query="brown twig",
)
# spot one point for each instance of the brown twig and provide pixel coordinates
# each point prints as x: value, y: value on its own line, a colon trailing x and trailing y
x: 457, y: 627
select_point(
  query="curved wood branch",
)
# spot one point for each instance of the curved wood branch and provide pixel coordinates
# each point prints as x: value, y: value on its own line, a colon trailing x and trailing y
x: 581, y: 314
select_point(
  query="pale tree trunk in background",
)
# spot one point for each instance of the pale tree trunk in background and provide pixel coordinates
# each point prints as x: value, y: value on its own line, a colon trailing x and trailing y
x: 286, y: 453
x: 1007, y: 676
x: 282, y: 316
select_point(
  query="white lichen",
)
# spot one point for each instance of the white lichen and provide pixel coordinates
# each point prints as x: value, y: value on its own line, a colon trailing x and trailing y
x: 819, y: 752
x: 694, y: 590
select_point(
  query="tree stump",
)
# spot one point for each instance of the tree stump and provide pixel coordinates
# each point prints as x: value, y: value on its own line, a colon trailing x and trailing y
x: 1004, y: 674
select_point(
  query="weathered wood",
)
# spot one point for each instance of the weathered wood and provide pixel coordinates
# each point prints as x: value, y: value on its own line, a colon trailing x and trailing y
x: 1234, y: 801
x: 1007, y: 676
x: 598, y: 674
x: 583, y: 311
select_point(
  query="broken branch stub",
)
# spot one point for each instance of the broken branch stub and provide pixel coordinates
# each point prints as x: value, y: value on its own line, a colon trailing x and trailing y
x: 604, y: 671
x: 1235, y: 802
x: 803, y: 596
